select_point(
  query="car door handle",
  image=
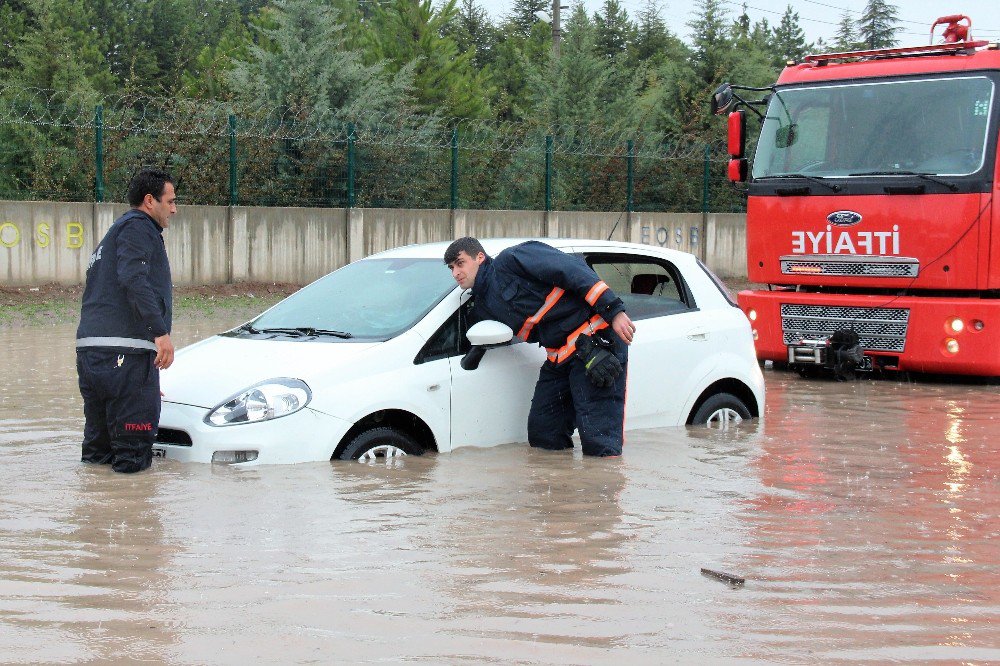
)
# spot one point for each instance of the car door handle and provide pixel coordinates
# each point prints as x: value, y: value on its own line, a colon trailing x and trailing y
x: 699, y: 334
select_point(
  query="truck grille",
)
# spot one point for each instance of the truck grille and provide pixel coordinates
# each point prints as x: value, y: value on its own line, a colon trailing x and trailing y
x: 888, y: 267
x: 880, y: 329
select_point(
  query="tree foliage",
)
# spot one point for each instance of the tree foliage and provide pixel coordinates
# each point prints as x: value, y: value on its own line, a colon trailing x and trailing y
x: 326, y: 63
x: 877, y: 26
x: 412, y: 34
x: 846, y: 37
x: 789, y: 41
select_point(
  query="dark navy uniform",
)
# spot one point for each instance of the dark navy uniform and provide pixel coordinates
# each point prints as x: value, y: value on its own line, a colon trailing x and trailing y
x: 550, y: 297
x: 127, y: 303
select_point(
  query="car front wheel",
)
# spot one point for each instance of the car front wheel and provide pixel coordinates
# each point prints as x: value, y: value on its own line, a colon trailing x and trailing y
x: 379, y: 443
x: 721, y: 411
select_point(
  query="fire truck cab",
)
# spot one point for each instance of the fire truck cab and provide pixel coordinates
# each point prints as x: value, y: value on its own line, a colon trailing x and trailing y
x: 871, y: 220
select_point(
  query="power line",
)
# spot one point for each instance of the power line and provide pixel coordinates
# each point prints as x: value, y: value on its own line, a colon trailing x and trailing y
x: 740, y: 5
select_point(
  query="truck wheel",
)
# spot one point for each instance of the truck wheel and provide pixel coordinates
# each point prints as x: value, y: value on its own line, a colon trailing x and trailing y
x: 380, y: 443
x: 721, y: 411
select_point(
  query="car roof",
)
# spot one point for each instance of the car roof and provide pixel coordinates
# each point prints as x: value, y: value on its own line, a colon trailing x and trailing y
x: 494, y: 246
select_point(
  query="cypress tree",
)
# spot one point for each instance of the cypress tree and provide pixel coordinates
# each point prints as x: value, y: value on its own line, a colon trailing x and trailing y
x: 877, y: 26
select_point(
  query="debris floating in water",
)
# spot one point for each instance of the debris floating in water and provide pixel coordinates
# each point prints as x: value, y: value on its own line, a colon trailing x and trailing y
x: 735, y: 581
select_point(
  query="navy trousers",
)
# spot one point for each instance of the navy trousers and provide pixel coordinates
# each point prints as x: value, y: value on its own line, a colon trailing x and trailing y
x: 565, y: 400
x: 121, y: 404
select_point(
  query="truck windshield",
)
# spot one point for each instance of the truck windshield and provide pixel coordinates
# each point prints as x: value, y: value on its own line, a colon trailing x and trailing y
x: 928, y: 126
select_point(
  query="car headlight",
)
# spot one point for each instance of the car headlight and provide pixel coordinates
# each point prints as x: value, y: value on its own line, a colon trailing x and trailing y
x: 270, y: 399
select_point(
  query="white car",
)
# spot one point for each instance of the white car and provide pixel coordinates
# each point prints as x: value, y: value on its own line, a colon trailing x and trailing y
x: 368, y: 362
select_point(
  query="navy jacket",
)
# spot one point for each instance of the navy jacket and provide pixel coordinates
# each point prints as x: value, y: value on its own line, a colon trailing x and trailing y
x: 544, y: 295
x: 127, y: 301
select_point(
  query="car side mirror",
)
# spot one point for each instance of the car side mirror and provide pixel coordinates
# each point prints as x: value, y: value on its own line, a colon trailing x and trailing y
x: 483, y: 336
x: 489, y: 333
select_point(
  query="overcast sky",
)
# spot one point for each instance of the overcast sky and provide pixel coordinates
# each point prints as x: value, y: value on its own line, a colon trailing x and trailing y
x: 818, y: 18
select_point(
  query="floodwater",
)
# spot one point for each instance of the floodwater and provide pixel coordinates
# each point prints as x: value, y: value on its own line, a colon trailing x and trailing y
x: 863, y: 516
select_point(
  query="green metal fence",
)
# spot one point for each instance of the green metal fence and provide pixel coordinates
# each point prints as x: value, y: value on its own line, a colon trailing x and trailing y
x: 55, y: 146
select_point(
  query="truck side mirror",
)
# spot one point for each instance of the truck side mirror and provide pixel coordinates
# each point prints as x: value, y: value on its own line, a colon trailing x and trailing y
x: 737, y: 170
x: 737, y: 136
x: 737, y: 144
x: 722, y: 99
x: 786, y: 135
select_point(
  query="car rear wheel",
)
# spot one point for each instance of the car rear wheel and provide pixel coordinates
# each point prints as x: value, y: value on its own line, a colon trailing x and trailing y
x: 721, y: 411
x: 380, y: 443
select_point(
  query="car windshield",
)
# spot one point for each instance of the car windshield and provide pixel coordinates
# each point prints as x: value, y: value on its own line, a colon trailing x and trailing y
x: 372, y: 298
x: 928, y: 126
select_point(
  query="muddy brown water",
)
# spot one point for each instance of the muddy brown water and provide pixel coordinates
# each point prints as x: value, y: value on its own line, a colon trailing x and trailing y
x: 862, y: 515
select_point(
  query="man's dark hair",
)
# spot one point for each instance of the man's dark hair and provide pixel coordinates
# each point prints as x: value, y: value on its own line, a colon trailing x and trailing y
x: 147, y: 181
x: 469, y: 245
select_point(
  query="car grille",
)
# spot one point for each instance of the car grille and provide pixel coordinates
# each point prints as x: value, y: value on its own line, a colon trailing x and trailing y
x: 889, y: 267
x: 171, y: 436
x: 880, y: 329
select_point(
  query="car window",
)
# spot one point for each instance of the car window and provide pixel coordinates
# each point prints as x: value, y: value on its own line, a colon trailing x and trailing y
x: 371, y: 298
x: 719, y: 284
x: 648, y: 287
x: 449, y: 340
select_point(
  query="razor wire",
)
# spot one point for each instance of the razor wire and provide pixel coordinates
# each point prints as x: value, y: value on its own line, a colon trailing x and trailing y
x: 134, y: 113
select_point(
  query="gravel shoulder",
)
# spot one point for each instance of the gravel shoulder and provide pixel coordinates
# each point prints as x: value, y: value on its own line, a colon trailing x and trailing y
x: 57, y: 304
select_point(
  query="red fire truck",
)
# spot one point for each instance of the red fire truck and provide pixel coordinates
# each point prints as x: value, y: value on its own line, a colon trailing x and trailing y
x: 870, y: 214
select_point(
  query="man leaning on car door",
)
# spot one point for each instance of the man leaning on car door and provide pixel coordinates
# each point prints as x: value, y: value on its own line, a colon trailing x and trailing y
x: 558, y: 301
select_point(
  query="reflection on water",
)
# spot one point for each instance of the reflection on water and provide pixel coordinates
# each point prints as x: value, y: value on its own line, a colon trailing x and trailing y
x: 863, y: 516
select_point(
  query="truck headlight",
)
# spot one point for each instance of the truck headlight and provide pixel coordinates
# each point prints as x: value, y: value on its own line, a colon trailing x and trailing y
x: 270, y: 399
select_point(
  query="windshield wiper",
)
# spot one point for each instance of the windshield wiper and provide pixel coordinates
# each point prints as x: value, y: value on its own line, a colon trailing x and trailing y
x: 926, y: 176
x: 301, y: 331
x: 246, y: 328
x: 296, y: 332
x: 326, y: 331
x: 811, y: 179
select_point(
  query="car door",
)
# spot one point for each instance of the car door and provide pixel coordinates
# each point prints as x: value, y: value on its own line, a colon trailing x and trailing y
x: 672, y: 337
x: 489, y: 405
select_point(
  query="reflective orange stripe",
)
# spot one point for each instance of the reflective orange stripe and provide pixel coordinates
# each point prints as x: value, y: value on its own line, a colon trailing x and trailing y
x: 559, y: 355
x: 595, y: 292
x: 530, y: 322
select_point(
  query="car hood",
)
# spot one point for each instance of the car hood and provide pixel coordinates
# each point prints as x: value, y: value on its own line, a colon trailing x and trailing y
x: 208, y: 372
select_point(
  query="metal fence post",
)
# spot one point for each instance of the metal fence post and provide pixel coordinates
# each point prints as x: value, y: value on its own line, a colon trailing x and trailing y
x: 232, y: 160
x: 548, y: 173
x: 703, y: 250
x: 454, y: 168
x: 350, y: 165
x: 99, y: 153
x: 630, y: 177
x: 704, y: 182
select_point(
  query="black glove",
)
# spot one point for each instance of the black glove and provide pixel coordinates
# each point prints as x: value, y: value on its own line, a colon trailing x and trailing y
x: 602, y: 366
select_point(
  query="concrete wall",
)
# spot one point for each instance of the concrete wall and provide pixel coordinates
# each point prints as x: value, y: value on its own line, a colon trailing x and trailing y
x: 726, y: 244
x: 44, y: 242
x: 500, y: 223
x: 386, y: 228
x: 294, y: 245
x: 678, y: 231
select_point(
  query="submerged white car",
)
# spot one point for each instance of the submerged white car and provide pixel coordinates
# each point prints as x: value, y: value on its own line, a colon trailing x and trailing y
x: 368, y: 362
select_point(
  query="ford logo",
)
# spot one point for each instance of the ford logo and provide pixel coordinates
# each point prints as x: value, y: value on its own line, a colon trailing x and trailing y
x: 843, y: 218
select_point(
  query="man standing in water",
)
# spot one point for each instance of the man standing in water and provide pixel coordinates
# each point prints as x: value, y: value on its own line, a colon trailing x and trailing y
x: 558, y: 301
x: 123, y: 340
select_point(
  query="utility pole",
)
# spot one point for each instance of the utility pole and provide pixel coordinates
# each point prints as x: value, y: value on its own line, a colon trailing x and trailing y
x: 556, y: 29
